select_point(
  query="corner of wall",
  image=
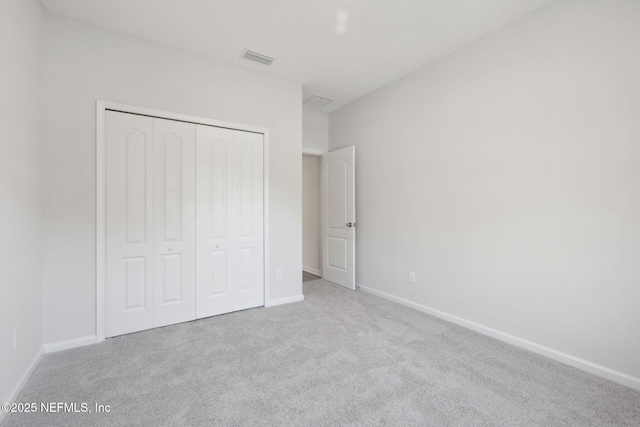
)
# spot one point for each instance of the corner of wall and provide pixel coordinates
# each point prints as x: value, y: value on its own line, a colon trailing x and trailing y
x: 21, y: 193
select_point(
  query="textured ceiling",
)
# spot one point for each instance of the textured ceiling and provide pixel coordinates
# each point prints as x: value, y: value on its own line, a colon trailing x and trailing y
x: 340, y: 49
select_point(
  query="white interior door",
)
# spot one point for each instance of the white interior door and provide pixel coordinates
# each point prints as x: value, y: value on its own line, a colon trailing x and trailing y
x: 214, y: 147
x: 129, y: 223
x: 248, y: 200
x: 150, y: 222
x: 174, y: 222
x: 229, y: 211
x: 338, y: 217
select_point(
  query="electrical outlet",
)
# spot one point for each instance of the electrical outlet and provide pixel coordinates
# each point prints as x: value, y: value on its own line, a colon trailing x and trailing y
x: 412, y: 277
x: 278, y: 274
x: 16, y: 338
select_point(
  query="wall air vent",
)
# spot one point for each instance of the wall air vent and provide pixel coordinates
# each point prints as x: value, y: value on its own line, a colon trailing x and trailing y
x: 253, y: 56
x: 317, y: 101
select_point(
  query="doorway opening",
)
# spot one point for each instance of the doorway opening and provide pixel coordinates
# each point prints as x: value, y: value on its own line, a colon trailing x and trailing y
x: 329, y: 251
x: 311, y: 217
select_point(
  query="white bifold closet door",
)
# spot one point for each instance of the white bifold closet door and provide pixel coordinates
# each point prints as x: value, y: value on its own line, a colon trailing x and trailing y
x: 150, y: 222
x: 184, y: 222
x: 229, y: 210
x: 174, y: 224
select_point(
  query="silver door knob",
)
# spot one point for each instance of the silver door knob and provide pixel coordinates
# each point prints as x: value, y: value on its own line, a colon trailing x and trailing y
x: 218, y: 245
x: 349, y: 225
x: 170, y: 248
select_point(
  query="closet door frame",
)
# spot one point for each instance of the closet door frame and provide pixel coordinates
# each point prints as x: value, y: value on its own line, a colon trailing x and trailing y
x: 101, y: 108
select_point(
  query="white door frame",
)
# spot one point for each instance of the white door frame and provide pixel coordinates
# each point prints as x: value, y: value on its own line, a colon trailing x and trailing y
x: 312, y: 151
x: 101, y: 108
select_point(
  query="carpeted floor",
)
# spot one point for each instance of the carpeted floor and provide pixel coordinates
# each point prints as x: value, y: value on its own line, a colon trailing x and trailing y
x: 337, y: 358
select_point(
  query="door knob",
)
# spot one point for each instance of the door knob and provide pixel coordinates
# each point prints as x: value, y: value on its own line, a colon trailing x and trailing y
x: 170, y: 248
x: 349, y: 225
x: 218, y: 245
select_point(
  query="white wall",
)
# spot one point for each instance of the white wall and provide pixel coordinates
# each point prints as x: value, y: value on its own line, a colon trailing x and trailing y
x: 311, y: 232
x: 315, y: 129
x: 507, y: 176
x: 20, y: 190
x: 84, y: 63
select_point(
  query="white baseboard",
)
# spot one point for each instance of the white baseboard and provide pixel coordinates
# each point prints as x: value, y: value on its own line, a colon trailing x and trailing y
x: 281, y: 301
x: 576, y: 362
x: 13, y: 396
x: 66, y: 345
x: 312, y: 270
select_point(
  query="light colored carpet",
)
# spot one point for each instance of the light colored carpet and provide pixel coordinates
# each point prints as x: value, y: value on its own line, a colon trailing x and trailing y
x: 337, y: 358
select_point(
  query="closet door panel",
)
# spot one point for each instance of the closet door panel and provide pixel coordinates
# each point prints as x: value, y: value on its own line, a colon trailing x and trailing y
x: 174, y: 222
x: 215, y: 221
x: 129, y: 223
x: 248, y: 232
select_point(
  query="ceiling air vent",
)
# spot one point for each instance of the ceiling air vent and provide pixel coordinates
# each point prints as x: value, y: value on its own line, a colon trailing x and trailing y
x: 253, y: 56
x: 317, y: 101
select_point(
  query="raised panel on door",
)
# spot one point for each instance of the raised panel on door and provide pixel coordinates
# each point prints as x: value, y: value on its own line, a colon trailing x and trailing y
x: 129, y: 223
x: 337, y: 190
x: 247, y: 161
x: 174, y: 222
x: 336, y: 243
x: 214, y: 245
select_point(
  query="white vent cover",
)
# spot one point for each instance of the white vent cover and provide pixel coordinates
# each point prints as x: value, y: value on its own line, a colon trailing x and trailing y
x: 253, y: 56
x: 317, y: 101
